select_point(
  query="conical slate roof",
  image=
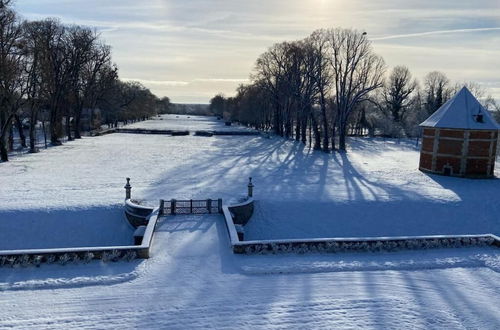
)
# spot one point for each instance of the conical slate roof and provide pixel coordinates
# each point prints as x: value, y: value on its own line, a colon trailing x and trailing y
x: 462, y: 112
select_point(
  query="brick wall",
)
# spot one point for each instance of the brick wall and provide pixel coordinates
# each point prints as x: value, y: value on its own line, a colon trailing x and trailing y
x: 469, y: 153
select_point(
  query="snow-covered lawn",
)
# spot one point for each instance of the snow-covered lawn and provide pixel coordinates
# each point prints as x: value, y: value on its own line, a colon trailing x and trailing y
x: 194, y: 281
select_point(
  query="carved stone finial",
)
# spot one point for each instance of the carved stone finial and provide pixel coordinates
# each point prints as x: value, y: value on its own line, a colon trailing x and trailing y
x: 250, y: 187
x: 128, y: 189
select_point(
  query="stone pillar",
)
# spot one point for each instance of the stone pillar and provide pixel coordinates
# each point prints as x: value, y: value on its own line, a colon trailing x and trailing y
x: 172, y: 206
x: 250, y: 187
x: 128, y: 189
x: 219, y: 205
x: 162, y: 207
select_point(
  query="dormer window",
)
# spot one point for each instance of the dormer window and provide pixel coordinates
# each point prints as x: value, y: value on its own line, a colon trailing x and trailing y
x: 479, y: 118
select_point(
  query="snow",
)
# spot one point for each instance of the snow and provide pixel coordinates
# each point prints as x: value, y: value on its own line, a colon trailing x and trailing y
x: 187, y: 123
x: 29, y: 229
x: 459, y: 112
x: 192, y: 279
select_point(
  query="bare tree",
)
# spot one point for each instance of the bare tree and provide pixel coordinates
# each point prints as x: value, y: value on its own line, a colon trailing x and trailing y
x: 476, y: 89
x: 272, y: 70
x: 11, y: 82
x: 397, y: 93
x: 323, y: 78
x: 357, y: 71
x: 437, y: 90
x: 94, y: 78
x: 32, y: 39
x: 54, y: 72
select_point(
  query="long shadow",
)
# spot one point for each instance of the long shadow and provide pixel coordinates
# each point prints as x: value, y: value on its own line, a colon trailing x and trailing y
x: 466, y: 310
x: 286, y: 173
x: 280, y: 166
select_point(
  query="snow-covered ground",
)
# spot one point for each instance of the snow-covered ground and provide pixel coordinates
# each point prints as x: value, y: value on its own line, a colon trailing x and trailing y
x: 194, y: 281
x: 58, y: 228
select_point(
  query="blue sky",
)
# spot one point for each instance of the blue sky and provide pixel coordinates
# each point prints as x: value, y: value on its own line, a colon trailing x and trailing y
x: 190, y: 50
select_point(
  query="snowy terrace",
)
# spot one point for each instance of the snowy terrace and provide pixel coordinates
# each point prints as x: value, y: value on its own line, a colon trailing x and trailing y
x: 192, y: 279
x: 374, y: 190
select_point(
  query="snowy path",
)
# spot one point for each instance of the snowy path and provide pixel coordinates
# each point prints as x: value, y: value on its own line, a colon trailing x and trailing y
x: 193, y: 281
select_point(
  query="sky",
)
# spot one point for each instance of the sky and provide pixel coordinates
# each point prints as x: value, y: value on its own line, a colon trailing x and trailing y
x: 190, y: 50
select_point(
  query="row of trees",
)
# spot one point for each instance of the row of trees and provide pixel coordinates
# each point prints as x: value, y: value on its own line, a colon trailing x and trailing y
x: 59, y: 74
x: 332, y: 84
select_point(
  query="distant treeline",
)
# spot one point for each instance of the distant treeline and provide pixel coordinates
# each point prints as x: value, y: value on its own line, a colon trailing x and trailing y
x: 189, y: 109
x: 62, y: 76
x: 332, y: 84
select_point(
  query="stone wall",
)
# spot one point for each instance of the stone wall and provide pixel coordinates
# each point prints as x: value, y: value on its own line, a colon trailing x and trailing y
x: 242, y: 212
x: 339, y: 245
x: 137, y: 214
x: 82, y: 254
x: 356, y: 244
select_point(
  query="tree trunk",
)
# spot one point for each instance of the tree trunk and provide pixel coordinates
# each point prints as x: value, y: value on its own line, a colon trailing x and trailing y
x: 11, y: 138
x: 317, y: 133
x: 325, y: 129
x: 304, y: 130
x: 78, y: 123
x: 19, y: 126
x: 55, y: 128
x: 68, y: 127
x: 342, y: 136
x: 288, y: 125
x: 32, y: 131
x: 334, y: 133
x: 78, y: 134
x: 32, y: 137
x: 310, y: 133
x: 298, y: 125
x: 4, y: 154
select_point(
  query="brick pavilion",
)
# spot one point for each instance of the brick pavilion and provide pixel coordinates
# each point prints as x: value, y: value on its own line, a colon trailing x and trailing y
x: 460, y: 139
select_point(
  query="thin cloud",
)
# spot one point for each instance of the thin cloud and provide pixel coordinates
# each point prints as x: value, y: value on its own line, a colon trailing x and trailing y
x: 185, y: 83
x: 423, y: 34
x: 158, y: 82
x: 231, y: 80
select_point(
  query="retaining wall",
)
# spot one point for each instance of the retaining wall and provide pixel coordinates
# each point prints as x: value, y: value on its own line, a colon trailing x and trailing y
x: 137, y: 214
x: 242, y: 212
x: 352, y: 244
x: 114, y: 253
